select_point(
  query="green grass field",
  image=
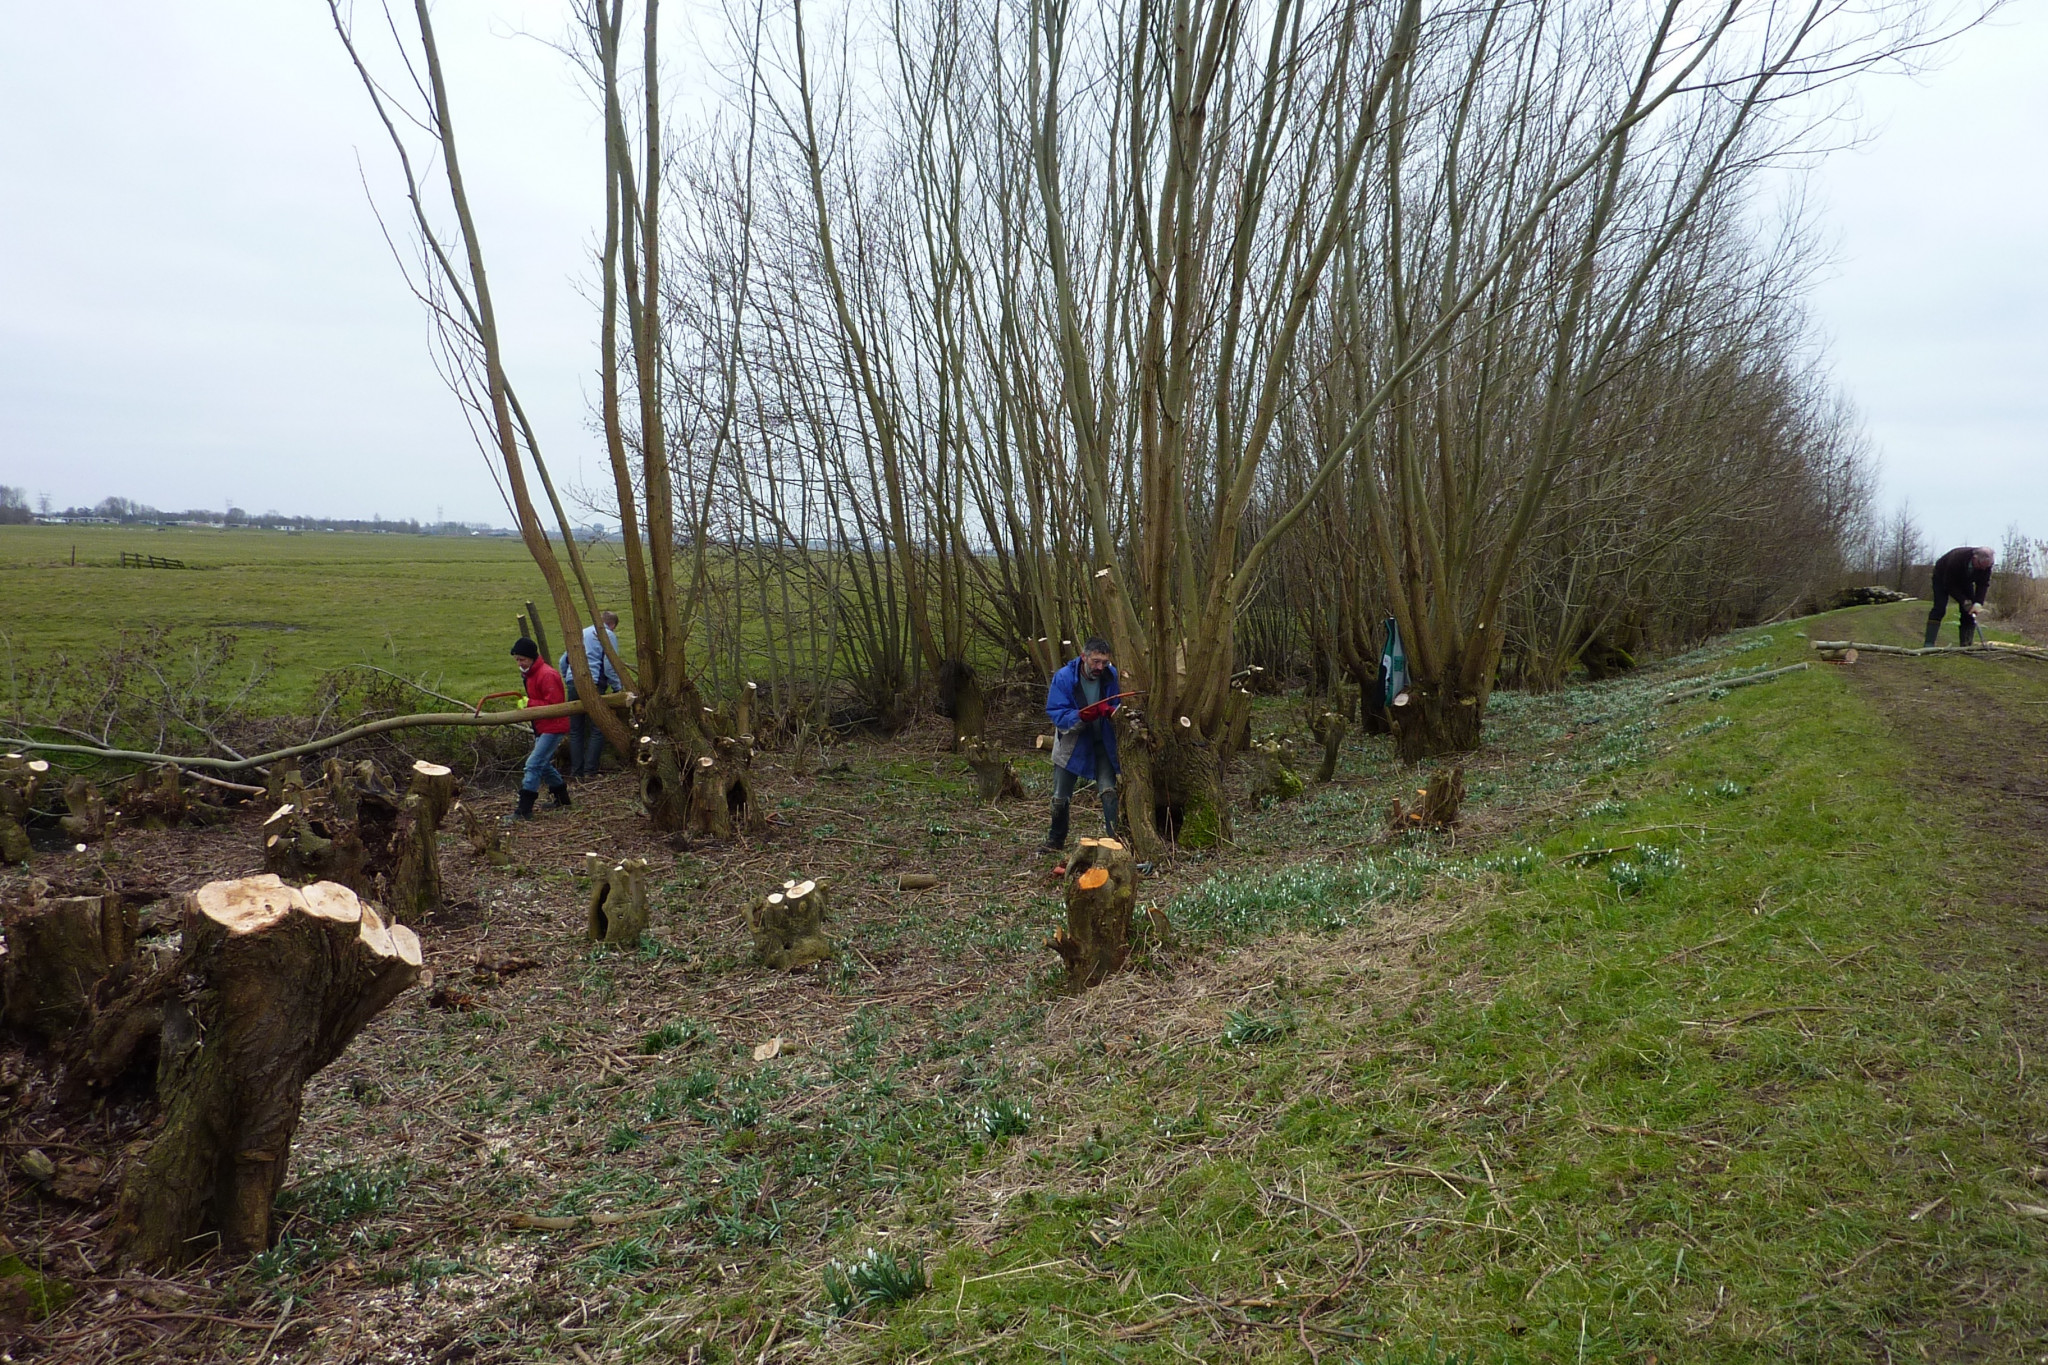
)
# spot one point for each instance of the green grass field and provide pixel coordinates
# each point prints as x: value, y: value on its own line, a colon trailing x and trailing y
x: 438, y: 609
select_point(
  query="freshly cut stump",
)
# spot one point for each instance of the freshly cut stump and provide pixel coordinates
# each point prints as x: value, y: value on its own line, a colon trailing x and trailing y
x: 618, y: 899
x: 303, y: 841
x: 272, y: 985
x: 1437, y: 808
x: 58, y: 952
x: 788, y: 926
x: 415, y: 843
x: 1102, y: 889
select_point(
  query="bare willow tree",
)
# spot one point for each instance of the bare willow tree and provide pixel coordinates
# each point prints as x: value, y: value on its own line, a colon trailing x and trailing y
x: 668, y: 738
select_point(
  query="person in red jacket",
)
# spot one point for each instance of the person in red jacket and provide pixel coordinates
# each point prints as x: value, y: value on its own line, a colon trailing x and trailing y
x: 543, y: 688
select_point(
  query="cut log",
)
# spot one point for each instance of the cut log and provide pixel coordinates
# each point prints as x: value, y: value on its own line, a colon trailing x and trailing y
x: 485, y: 840
x: 1740, y: 680
x: 20, y: 779
x: 994, y: 779
x: 87, y: 822
x: 58, y: 952
x: 1102, y: 890
x: 618, y: 899
x: 1330, y: 728
x: 272, y: 985
x: 1436, y: 807
x: 788, y: 926
x: 917, y: 881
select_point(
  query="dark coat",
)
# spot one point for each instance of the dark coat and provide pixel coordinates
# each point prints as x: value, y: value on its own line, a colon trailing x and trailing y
x: 1956, y: 576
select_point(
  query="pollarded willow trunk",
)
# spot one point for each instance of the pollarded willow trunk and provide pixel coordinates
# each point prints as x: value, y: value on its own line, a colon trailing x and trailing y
x: 1102, y: 891
x: 788, y: 926
x: 1434, y: 721
x: 1187, y: 777
x: 1141, y: 812
x: 271, y: 986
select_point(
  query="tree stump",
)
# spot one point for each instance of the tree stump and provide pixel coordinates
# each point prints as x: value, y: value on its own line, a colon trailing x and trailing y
x: 1274, y: 772
x: 788, y: 926
x: 485, y: 840
x: 994, y: 779
x: 152, y: 804
x: 1329, y: 730
x: 1137, y: 748
x: 271, y: 986
x: 618, y: 899
x: 721, y: 798
x: 87, y: 823
x: 20, y: 778
x: 284, y: 774
x: 663, y: 793
x: 1437, y: 807
x: 1102, y: 889
x: 58, y: 951
x: 1237, y: 723
x: 308, y: 845
x: 414, y: 844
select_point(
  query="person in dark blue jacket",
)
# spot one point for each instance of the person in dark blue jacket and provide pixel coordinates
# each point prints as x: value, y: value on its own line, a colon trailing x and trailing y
x: 1079, y: 702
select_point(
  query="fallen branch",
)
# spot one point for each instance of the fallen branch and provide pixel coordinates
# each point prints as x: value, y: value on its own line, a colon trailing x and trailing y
x: 375, y: 727
x: 1987, y: 647
x: 1742, y: 681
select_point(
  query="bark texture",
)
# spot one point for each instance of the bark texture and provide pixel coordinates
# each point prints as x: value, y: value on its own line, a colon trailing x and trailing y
x: 1102, y: 890
x: 1330, y: 728
x: 57, y: 953
x: 272, y: 984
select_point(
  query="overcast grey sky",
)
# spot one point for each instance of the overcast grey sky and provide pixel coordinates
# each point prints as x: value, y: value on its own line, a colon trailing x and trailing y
x: 197, y: 304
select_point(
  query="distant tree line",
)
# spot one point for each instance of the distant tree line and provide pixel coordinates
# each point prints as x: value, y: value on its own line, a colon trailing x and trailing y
x: 126, y: 512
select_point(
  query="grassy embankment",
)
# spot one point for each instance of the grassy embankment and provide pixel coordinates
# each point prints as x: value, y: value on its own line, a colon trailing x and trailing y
x: 1737, y: 1088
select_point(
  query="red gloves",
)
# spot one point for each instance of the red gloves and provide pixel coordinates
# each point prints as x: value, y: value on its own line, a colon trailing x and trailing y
x: 1097, y: 710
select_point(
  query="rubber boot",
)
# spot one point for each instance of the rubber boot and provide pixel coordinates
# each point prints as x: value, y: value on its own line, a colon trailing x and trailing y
x: 1933, y: 631
x: 525, y: 811
x: 1968, y: 630
x: 559, y: 796
x: 1057, y: 840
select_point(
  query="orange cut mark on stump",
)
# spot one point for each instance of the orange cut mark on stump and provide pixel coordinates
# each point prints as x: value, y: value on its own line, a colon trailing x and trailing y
x: 1092, y: 878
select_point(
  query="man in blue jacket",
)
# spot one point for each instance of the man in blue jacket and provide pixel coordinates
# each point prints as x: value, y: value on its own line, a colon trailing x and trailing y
x: 1079, y: 703
x: 586, y: 741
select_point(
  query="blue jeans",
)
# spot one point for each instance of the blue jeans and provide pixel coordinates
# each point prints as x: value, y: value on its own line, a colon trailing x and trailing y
x: 1063, y: 783
x: 540, y: 764
x: 586, y: 741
